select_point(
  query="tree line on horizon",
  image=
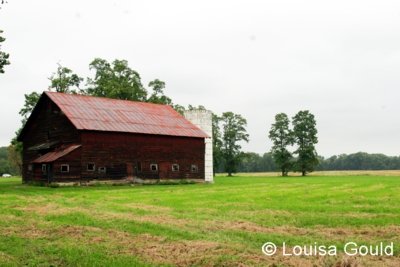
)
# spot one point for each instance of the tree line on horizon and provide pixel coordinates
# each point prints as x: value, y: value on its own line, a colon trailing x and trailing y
x: 254, y: 162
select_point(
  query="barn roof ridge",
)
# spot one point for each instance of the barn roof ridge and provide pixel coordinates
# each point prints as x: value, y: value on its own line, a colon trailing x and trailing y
x: 107, y: 98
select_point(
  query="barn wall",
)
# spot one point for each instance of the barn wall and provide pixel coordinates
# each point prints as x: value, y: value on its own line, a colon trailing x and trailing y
x: 48, y: 126
x: 121, y: 153
x: 73, y: 159
x: 53, y: 172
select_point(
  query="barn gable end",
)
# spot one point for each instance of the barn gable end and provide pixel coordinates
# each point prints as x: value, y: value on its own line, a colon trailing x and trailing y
x: 46, y: 130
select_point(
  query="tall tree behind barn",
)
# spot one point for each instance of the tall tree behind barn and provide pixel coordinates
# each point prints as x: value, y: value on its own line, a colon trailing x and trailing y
x: 75, y: 137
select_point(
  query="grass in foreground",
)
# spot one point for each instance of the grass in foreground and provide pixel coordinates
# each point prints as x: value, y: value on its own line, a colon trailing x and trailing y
x: 224, y: 224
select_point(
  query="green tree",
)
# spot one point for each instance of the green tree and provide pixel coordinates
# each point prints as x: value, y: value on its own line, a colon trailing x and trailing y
x: 305, y: 135
x: 115, y: 80
x: 3, y: 55
x: 282, y: 137
x: 233, y: 132
x: 179, y: 108
x: 15, y: 148
x: 158, y: 95
x: 15, y: 157
x: 251, y: 162
x: 199, y: 107
x: 64, y: 81
x: 268, y: 163
x: 217, y: 142
x: 4, y: 164
x: 29, y: 104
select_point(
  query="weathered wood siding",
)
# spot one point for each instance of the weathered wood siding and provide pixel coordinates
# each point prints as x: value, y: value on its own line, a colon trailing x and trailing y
x: 73, y: 160
x: 121, y: 153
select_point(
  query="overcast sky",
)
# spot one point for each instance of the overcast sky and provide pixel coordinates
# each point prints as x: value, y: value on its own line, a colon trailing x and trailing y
x: 338, y: 59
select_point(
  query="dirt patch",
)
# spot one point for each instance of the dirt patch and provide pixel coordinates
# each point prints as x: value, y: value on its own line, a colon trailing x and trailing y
x: 177, y: 253
x: 39, y: 209
x: 50, y: 209
x: 390, y: 232
x: 252, y: 227
x: 155, y: 219
x: 268, y: 212
x: 77, y: 231
x: 5, y: 258
x: 7, y: 218
x: 338, y: 234
x: 24, y: 231
x: 148, y: 207
x: 163, y: 218
x: 153, y: 249
x: 362, y: 214
x: 159, y: 250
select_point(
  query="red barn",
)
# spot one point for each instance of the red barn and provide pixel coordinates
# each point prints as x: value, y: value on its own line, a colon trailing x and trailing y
x: 81, y: 138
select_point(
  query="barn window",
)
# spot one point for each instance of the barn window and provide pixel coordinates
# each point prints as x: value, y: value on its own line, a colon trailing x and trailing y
x: 91, y: 167
x: 30, y: 167
x: 64, y: 168
x: 154, y: 167
x: 44, y: 168
x: 175, y: 167
x: 102, y: 169
x: 194, y: 168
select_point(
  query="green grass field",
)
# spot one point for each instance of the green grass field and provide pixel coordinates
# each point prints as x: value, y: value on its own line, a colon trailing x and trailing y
x: 221, y: 224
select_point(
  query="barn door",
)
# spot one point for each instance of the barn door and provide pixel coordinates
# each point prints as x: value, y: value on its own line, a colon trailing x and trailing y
x: 138, y: 169
x: 129, y: 170
x: 49, y: 168
x: 163, y: 170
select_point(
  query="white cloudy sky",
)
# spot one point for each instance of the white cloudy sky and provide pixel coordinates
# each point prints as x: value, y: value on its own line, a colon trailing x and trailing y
x: 339, y: 59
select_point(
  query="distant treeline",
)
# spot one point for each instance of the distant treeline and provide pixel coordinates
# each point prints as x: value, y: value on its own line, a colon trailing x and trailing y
x: 4, y: 165
x: 253, y: 162
x: 360, y: 161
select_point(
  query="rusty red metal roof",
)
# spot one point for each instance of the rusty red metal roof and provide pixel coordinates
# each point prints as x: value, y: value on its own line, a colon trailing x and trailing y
x: 53, y: 156
x: 105, y: 114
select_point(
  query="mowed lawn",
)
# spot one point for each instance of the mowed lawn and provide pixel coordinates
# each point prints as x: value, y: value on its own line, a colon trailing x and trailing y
x: 220, y: 224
